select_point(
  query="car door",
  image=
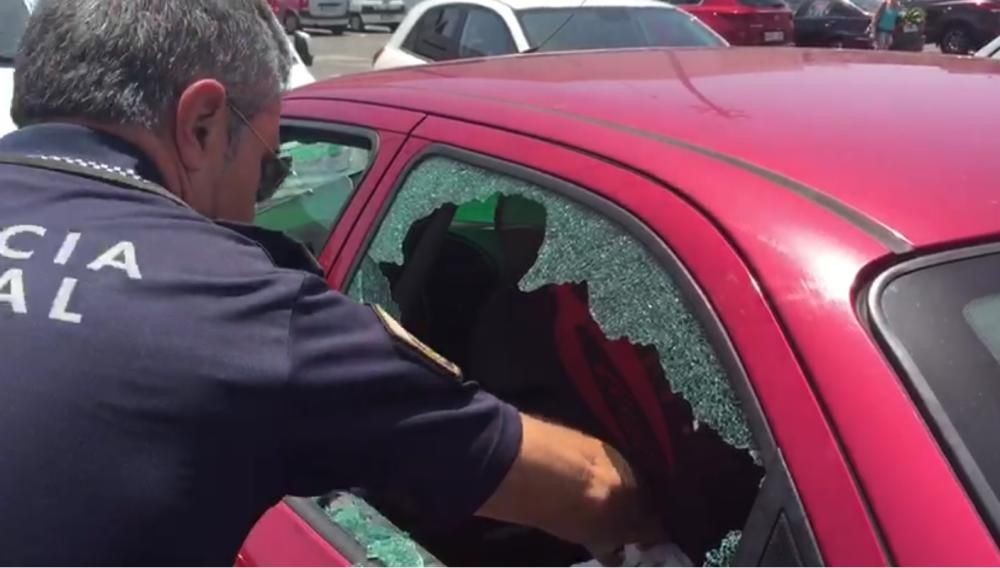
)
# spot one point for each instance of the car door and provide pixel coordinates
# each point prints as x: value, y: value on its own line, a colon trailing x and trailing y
x: 340, y: 151
x: 813, y: 23
x: 444, y: 195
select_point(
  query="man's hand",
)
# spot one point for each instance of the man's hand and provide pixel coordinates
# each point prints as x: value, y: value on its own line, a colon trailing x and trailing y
x: 576, y: 488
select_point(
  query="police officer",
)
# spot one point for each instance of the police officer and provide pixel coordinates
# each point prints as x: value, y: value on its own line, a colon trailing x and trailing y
x: 168, y: 371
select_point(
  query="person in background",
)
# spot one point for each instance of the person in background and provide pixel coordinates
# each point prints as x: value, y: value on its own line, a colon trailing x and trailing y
x: 885, y: 23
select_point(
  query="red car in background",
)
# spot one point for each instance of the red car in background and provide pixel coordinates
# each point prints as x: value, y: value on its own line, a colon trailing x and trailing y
x: 745, y: 22
x: 791, y: 330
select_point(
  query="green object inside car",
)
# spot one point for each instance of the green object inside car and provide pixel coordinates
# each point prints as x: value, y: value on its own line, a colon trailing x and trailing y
x: 384, y: 543
x: 309, y: 203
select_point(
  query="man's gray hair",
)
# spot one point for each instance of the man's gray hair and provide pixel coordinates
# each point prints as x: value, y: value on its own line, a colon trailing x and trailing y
x: 126, y: 62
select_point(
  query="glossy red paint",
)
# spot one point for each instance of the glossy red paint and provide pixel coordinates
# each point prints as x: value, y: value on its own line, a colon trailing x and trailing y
x: 836, y: 511
x: 282, y: 538
x: 695, y: 143
x: 746, y: 23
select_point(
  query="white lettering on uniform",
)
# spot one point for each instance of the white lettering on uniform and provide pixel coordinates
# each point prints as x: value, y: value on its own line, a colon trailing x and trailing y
x: 60, y: 305
x: 6, y: 234
x: 12, y: 290
x: 128, y: 264
x: 67, y: 248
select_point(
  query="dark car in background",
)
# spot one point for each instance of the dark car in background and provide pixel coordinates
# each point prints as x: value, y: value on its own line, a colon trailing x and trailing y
x: 850, y: 24
x: 961, y: 26
x: 835, y: 23
x: 744, y: 22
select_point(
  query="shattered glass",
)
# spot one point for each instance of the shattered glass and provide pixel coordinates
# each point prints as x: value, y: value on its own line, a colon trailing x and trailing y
x: 383, y: 542
x: 370, y: 286
x: 725, y: 554
x: 631, y: 297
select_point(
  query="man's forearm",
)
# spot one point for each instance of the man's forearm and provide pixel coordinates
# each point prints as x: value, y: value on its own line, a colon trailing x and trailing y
x: 573, y: 486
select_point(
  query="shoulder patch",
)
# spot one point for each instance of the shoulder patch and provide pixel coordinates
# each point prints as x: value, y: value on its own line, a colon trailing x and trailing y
x: 414, y: 345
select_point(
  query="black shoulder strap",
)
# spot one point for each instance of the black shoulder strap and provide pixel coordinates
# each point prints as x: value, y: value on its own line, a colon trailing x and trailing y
x: 105, y: 175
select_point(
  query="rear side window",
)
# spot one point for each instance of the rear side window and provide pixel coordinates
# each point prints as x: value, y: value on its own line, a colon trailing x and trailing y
x: 610, y: 27
x: 485, y: 33
x: 555, y: 308
x: 941, y: 319
x: 435, y: 36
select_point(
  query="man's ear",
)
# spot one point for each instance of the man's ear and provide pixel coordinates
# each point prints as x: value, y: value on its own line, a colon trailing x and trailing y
x: 201, y: 125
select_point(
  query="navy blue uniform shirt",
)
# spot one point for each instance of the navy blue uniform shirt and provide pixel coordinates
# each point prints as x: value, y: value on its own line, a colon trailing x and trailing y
x: 166, y: 380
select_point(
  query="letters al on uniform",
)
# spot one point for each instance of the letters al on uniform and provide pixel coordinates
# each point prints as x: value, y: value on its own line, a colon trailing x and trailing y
x: 17, y: 243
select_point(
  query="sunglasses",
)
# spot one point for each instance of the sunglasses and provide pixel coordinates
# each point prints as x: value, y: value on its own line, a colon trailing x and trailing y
x: 274, y: 169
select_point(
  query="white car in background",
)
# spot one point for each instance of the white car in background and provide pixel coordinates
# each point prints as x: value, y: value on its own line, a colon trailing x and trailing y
x: 441, y: 30
x: 991, y: 49
x: 388, y: 13
x: 13, y: 18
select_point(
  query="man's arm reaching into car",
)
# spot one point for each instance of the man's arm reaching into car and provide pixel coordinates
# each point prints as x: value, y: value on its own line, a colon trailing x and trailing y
x: 574, y: 487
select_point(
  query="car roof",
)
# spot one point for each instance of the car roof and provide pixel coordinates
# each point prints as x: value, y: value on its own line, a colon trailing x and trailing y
x: 903, y: 144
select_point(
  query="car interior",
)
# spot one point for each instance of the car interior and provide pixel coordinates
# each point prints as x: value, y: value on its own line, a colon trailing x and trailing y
x: 543, y: 352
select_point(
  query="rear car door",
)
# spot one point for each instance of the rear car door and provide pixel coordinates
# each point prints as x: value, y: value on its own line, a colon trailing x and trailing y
x: 813, y: 23
x: 462, y: 240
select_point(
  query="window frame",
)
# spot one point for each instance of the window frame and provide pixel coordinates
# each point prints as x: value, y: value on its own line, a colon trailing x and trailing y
x: 974, y: 482
x: 777, y: 496
x: 470, y: 8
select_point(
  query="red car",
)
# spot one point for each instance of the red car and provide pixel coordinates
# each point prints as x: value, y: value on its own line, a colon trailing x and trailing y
x: 745, y: 22
x: 787, y: 318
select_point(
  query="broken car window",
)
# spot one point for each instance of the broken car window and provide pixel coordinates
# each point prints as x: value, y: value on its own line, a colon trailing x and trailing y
x: 630, y: 295
x: 559, y: 311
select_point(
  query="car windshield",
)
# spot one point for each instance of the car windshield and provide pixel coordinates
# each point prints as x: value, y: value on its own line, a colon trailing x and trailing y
x: 13, y: 18
x: 561, y: 29
x: 942, y: 323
